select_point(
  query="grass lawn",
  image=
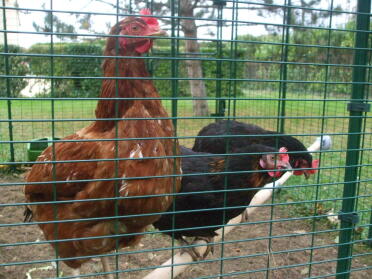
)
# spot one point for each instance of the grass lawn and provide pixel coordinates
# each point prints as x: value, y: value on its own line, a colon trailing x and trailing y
x: 307, y: 116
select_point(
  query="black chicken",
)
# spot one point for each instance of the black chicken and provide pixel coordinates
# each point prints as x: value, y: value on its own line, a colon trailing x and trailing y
x: 217, y: 144
x: 208, y: 211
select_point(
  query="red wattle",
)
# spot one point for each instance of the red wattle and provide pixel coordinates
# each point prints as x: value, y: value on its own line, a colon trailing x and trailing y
x: 145, y: 47
x: 275, y: 173
x: 315, y: 165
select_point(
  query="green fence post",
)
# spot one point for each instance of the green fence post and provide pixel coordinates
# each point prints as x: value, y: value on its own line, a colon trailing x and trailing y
x: 174, y: 63
x: 369, y: 240
x: 175, y: 48
x: 7, y: 83
x: 220, y: 104
x: 356, y: 108
x: 284, y: 67
x: 233, y: 66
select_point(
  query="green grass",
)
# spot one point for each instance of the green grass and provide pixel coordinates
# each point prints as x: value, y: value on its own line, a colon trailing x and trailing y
x: 328, y: 183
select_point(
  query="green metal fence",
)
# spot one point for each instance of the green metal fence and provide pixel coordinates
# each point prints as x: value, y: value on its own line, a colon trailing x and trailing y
x: 302, y: 68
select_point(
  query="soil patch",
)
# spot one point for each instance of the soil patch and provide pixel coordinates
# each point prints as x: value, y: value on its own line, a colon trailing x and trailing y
x: 249, y: 252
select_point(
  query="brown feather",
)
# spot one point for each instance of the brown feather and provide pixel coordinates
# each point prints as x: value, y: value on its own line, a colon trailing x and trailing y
x: 67, y: 173
x: 218, y: 165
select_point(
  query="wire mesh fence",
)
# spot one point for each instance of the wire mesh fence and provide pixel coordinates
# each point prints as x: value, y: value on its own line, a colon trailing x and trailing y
x: 103, y: 117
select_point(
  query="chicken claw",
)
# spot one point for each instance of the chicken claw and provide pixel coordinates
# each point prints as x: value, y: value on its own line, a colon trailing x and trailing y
x: 195, y: 255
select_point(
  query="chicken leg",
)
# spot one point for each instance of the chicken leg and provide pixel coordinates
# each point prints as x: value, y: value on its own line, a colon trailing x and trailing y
x: 195, y: 255
x: 76, y: 272
x: 106, y: 267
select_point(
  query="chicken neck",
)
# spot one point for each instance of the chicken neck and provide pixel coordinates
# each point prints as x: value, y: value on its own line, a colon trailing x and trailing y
x: 118, y: 86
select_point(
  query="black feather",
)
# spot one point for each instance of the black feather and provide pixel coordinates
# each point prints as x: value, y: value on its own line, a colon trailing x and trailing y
x: 27, y: 213
x: 275, y: 140
x: 204, y: 223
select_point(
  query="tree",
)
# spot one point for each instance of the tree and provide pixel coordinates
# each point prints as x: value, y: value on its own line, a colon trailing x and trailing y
x: 188, y: 8
x: 303, y: 16
x: 53, y: 24
x: 189, y: 28
x: 194, y: 67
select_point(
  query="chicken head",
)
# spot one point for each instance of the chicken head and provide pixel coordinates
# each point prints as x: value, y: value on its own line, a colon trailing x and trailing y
x: 131, y: 32
x: 276, y: 162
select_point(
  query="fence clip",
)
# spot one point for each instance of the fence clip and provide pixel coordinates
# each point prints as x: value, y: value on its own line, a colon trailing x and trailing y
x: 351, y: 217
x: 219, y: 2
x: 353, y: 106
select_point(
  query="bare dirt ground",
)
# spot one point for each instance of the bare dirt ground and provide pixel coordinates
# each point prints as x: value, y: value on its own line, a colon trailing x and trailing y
x: 249, y: 255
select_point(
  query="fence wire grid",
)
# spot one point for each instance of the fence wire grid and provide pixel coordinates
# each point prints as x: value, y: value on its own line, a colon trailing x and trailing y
x: 103, y: 117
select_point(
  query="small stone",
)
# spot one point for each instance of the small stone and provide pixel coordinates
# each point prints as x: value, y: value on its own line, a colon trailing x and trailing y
x: 305, y: 271
x: 151, y: 256
x: 300, y: 232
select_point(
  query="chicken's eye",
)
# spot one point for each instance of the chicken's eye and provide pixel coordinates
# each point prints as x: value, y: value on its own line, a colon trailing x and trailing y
x: 272, y: 157
x: 135, y: 28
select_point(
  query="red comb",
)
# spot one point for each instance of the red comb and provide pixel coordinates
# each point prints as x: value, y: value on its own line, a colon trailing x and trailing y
x: 283, y: 157
x: 145, y: 11
x: 148, y: 20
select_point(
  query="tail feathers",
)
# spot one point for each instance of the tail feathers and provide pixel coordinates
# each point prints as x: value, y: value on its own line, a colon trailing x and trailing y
x: 27, y: 215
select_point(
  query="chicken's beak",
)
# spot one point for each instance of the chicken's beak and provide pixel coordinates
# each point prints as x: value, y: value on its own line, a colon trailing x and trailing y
x: 286, y: 166
x: 282, y: 167
x: 158, y: 32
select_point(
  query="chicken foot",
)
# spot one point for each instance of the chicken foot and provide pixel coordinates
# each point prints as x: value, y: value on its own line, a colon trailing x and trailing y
x: 195, y: 255
x: 105, y: 266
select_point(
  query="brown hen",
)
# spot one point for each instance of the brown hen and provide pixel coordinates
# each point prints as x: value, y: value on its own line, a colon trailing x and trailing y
x: 73, y: 180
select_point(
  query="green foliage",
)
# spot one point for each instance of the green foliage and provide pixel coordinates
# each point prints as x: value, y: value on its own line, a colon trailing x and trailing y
x: 87, y: 66
x: 305, y: 58
x: 53, y: 24
x: 17, y: 67
x: 162, y: 68
x: 74, y: 67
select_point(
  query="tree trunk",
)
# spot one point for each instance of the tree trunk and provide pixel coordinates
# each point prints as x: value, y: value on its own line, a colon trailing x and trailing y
x: 194, y: 67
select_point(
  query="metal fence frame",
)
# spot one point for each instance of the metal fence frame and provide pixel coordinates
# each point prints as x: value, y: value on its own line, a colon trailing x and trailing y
x: 225, y: 107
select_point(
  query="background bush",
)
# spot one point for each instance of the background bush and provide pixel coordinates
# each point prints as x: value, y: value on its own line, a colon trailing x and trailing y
x: 306, y: 60
x: 17, y: 67
x: 65, y: 66
x: 162, y: 68
x: 86, y: 66
x: 76, y: 64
